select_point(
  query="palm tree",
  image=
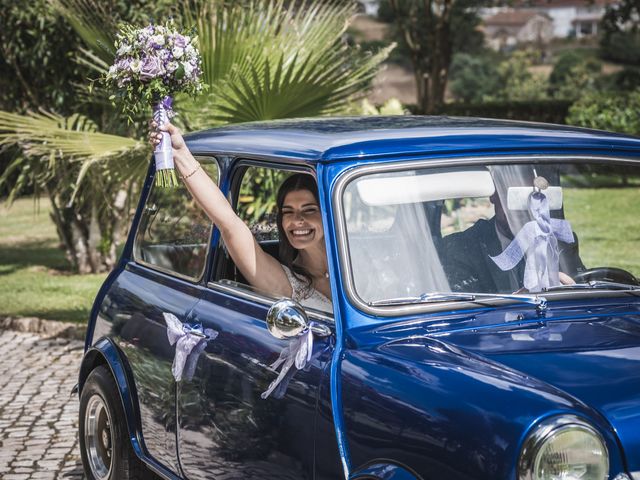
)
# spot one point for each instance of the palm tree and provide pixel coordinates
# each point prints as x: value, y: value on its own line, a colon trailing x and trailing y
x: 262, y: 60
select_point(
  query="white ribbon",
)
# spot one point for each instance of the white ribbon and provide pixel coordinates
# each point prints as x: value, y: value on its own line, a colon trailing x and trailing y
x: 537, y: 241
x: 163, y: 153
x: 190, y: 342
x: 297, y: 352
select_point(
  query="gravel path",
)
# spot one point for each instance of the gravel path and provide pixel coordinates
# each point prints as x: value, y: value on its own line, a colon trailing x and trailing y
x: 38, y: 417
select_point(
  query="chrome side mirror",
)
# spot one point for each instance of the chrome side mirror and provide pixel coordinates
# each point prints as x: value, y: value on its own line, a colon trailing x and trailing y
x: 286, y: 319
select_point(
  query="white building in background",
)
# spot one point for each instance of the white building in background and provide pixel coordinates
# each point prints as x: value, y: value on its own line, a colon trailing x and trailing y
x: 573, y: 17
x: 508, y: 28
x: 370, y: 7
x: 579, y: 18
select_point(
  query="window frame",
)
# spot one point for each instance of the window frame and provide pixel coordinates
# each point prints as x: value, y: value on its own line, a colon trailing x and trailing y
x: 344, y: 257
x: 166, y: 271
x: 229, y: 287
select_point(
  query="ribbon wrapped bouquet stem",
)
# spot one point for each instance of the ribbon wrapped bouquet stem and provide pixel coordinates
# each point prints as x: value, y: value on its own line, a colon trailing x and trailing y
x: 163, y: 153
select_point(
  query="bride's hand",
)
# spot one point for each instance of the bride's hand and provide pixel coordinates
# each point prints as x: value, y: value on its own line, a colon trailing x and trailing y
x: 155, y: 135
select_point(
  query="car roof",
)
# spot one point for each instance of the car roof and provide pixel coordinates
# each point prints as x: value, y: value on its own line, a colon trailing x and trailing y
x: 328, y: 139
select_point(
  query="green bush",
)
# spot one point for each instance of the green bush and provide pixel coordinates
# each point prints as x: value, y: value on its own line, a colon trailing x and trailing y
x: 562, y: 68
x: 549, y: 111
x: 626, y: 80
x: 584, y: 77
x: 473, y: 77
x: 517, y: 83
x: 622, y: 47
x: 608, y: 111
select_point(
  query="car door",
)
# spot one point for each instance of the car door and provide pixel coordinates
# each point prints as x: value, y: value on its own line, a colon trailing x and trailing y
x: 226, y: 428
x: 165, y: 276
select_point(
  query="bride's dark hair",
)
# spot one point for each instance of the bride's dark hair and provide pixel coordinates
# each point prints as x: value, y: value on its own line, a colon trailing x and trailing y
x: 287, y: 253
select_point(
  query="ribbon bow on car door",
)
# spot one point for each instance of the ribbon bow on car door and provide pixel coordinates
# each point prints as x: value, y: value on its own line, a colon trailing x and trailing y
x: 190, y: 342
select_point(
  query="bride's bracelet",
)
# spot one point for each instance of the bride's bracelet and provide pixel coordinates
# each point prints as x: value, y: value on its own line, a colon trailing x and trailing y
x: 184, y: 177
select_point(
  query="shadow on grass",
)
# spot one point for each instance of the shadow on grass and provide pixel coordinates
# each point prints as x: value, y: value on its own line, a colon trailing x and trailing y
x: 76, y: 315
x: 32, y: 253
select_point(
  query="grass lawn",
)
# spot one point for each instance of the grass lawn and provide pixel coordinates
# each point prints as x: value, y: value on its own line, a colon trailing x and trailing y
x: 607, y: 222
x: 35, y: 280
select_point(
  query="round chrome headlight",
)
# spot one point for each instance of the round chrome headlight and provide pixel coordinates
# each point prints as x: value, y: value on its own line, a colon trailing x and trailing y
x: 564, y: 448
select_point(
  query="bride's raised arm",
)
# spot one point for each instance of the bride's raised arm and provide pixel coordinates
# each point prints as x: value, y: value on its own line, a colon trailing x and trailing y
x: 259, y: 268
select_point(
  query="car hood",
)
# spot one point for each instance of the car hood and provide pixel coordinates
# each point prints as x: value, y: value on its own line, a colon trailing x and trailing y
x: 594, y: 359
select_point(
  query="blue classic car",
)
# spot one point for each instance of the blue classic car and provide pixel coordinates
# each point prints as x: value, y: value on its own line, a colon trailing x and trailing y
x: 485, y: 319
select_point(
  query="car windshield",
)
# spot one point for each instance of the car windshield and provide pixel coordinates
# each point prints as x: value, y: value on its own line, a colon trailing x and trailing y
x: 496, y: 229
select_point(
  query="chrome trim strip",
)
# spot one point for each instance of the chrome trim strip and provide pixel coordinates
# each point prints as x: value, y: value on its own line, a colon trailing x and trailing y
x: 166, y: 271
x: 263, y: 300
x: 343, y: 247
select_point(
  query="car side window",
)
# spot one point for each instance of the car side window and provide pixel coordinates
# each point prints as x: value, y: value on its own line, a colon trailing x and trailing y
x: 255, y: 204
x: 174, y: 232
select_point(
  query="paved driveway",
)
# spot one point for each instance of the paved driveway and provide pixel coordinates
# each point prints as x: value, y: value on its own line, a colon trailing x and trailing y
x: 38, y: 417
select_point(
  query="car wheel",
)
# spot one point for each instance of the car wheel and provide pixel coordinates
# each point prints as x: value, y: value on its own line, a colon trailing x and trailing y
x: 104, y: 442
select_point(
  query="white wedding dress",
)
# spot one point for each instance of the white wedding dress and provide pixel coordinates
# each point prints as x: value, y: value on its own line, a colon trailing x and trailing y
x: 305, y: 295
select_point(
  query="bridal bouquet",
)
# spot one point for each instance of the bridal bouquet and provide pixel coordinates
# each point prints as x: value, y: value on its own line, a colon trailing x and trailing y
x: 151, y: 65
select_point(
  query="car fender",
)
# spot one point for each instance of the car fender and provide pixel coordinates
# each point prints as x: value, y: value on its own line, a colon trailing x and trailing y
x: 105, y: 352
x: 446, y: 406
x: 384, y: 470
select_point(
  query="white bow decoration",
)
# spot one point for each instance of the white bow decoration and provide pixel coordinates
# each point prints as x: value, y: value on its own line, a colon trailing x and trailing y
x: 537, y: 242
x: 190, y: 342
x: 297, y: 352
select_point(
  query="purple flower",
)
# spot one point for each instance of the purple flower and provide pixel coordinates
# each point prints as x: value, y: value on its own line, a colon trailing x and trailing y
x: 124, y: 63
x: 179, y: 41
x: 151, y: 68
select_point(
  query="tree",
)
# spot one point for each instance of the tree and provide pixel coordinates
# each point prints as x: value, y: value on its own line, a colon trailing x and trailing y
x: 38, y: 46
x: 620, y: 27
x: 516, y: 80
x: 262, y: 61
x: 431, y: 31
x: 562, y: 68
x: 473, y: 77
x: 573, y: 75
x: 36, y: 70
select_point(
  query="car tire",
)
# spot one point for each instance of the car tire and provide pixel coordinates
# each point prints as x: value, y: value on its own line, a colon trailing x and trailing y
x: 105, y: 447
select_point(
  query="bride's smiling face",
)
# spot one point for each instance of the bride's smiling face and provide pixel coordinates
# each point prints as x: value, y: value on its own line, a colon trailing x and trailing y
x: 301, y: 219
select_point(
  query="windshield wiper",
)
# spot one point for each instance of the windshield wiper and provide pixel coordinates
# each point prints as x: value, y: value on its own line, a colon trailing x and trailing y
x: 594, y: 284
x: 532, y: 299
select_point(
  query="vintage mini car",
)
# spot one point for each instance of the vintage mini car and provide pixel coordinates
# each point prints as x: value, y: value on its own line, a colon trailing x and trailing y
x: 485, y: 319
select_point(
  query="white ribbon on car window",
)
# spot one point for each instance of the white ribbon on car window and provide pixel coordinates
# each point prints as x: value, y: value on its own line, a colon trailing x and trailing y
x: 537, y: 240
x: 296, y: 353
x: 190, y: 342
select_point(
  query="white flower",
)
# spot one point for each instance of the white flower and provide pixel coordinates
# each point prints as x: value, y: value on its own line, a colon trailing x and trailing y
x: 190, y: 51
x: 135, y: 66
x: 124, y: 49
x: 172, y: 67
x: 188, y: 69
x: 158, y: 40
x: 177, y: 52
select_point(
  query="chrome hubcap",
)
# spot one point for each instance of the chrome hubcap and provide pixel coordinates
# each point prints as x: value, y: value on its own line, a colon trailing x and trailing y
x: 98, y: 437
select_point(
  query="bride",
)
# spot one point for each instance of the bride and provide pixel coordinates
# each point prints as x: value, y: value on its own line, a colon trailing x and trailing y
x: 303, y: 273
